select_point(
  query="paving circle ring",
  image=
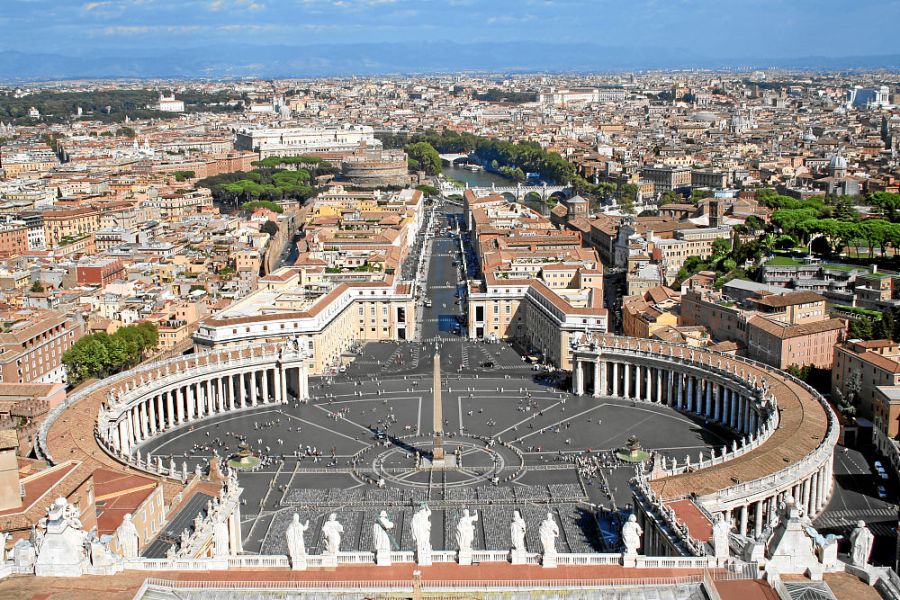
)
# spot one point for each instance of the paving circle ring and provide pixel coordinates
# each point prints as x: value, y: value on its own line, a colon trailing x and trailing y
x: 480, y: 464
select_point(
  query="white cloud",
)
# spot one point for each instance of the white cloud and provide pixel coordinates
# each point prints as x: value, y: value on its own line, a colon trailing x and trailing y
x: 89, y: 6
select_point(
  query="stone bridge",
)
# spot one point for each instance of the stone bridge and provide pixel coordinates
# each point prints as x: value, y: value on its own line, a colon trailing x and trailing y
x: 452, y: 158
x: 520, y: 191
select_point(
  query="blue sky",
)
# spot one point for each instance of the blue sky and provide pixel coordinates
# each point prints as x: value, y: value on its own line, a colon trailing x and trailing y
x: 716, y: 28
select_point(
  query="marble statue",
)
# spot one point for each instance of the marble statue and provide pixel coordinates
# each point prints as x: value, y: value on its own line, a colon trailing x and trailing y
x: 548, y: 532
x: 61, y: 551
x: 220, y: 539
x: 631, y: 535
x: 4, y: 537
x: 295, y: 543
x: 465, y: 530
x: 421, y: 532
x: 861, y: 541
x: 720, y: 533
x: 381, y: 535
x: 517, y: 532
x: 331, y: 534
x: 127, y: 538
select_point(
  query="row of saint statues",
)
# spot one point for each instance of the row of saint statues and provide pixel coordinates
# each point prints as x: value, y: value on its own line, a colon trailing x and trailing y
x: 420, y: 526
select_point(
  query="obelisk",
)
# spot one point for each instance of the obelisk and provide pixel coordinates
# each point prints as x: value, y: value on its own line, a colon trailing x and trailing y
x: 437, y: 453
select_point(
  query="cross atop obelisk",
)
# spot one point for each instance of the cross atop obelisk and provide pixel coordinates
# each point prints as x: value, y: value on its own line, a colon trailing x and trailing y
x: 438, y: 451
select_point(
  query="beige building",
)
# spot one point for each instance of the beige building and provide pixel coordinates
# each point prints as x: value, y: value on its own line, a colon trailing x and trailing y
x: 873, y: 364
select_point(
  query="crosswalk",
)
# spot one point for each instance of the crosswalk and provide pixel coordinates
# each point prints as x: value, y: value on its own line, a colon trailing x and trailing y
x: 882, y: 521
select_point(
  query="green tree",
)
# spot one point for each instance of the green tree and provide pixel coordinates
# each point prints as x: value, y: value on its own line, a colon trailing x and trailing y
x: 270, y: 227
x: 428, y: 190
x: 860, y: 329
x: 427, y: 157
x: 37, y: 287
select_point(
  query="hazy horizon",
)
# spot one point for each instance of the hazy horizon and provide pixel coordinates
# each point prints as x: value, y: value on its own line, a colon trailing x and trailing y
x: 217, y: 38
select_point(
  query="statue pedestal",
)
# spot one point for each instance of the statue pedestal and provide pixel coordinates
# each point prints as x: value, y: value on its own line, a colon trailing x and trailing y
x: 629, y: 559
x: 465, y: 557
x: 519, y: 557
x: 299, y: 564
x: 382, y: 558
x: 329, y: 561
x: 548, y: 561
x: 423, y: 557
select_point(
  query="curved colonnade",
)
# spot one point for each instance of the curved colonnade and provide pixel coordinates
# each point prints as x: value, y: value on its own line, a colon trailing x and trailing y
x: 787, y: 431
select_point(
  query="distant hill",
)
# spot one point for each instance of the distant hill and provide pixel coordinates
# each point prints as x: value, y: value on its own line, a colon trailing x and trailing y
x: 374, y: 59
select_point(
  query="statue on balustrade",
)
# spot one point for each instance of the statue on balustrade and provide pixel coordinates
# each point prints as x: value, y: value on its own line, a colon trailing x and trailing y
x: 381, y: 533
x: 465, y: 530
x: 220, y: 539
x: 517, y: 532
x: 331, y: 534
x: 296, y: 545
x: 421, y: 531
x: 548, y: 532
x: 721, y: 531
x: 631, y: 536
x: 861, y: 541
x: 127, y: 538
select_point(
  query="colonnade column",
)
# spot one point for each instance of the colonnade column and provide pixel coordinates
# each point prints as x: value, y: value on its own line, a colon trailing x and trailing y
x: 615, y: 385
x: 638, y: 376
x: 659, y: 385
x: 627, y: 389
x: 276, y: 385
x: 266, y: 397
x: 758, y: 518
x: 170, y: 408
x: 597, y: 391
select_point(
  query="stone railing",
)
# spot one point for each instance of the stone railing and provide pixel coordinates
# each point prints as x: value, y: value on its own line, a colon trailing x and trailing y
x: 407, y: 557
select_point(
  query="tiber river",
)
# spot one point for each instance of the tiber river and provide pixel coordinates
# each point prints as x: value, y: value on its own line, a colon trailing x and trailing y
x: 485, y: 179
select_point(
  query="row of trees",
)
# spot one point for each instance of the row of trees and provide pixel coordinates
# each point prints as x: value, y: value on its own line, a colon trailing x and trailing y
x: 527, y: 156
x: 101, y: 355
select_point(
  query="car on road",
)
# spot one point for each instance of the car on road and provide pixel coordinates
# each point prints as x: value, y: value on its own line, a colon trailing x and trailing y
x: 882, y: 493
x: 488, y: 364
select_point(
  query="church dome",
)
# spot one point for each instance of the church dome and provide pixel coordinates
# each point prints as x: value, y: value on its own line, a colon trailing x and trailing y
x: 837, y: 162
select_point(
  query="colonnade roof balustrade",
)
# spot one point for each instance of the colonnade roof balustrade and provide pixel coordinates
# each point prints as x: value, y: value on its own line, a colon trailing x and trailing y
x: 806, y: 425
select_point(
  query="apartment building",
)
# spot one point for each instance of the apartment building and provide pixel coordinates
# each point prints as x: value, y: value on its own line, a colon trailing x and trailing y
x: 870, y: 365
x: 31, y: 347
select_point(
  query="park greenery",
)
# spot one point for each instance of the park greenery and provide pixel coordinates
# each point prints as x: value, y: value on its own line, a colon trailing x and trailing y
x: 508, y: 96
x: 183, y: 175
x: 240, y: 188
x: 101, y: 354
x: 108, y: 105
x: 832, y: 224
